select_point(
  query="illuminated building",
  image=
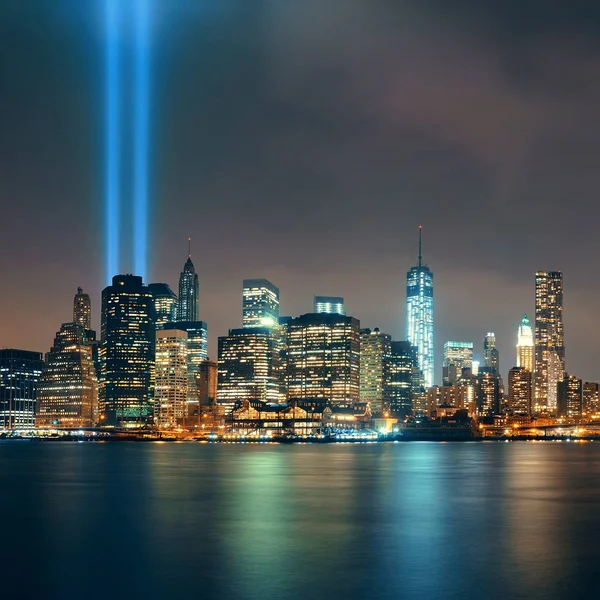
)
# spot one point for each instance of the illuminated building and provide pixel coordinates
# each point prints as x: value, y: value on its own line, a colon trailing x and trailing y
x: 187, y: 309
x: 419, y: 316
x: 247, y: 367
x: 375, y: 348
x: 165, y: 303
x: 402, y: 378
x: 487, y: 389
x: 329, y: 304
x: 260, y: 303
x: 519, y: 391
x: 456, y: 396
x: 569, y: 397
x: 549, y: 364
x: 457, y: 356
x: 20, y: 372
x: 323, y: 356
x: 591, y: 397
x: 171, y: 378
x: 525, y: 345
x: 82, y: 309
x: 68, y: 389
x: 490, y: 353
x: 127, y: 352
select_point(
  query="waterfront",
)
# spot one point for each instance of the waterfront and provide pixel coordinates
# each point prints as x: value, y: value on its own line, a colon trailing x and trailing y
x: 420, y: 520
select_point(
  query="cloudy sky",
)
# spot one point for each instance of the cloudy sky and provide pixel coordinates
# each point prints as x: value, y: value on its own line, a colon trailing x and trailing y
x: 305, y: 141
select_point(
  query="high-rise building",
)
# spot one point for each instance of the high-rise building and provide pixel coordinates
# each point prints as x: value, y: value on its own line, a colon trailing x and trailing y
x: 487, y: 389
x: 247, y: 367
x: 329, y: 304
x: 260, y: 303
x: 525, y: 345
x: 165, y: 303
x: 457, y: 356
x: 490, y: 353
x: 519, y: 391
x: 549, y: 340
x: 591, y: 398
x: 171, y: 379
x: 187, y: 308
x: 402, y: 380
x: 207, y: 383
x: 82, y: 309
x: 323, y: 356
x: 569, y: 402
x: 127, y: 352
x: 419, y: 316
x: 68, y: 389
x: 375, y: 348
x: 20, y: 372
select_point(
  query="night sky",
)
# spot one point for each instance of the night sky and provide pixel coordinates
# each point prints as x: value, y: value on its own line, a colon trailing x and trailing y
x: 304, y: 141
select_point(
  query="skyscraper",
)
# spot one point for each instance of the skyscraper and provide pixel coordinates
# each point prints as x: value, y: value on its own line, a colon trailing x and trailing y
x: 68, y: 389
x: 187, y: 309
x: 323, y: 356
x: 457, y: 356
x: 519, y: 391
x: 82, y: 309
x: 329, y: 304
x: 419, y: 316
x: 488, y: 396
x: 375, y: 348
x: 491, y: 357
x: 165, y: 303
x: 549, y: 339
x: 171, y: 380
x: 260, y: 303
x: 20, y: 372
x: 127, y: 352
x: 402, y: 378
x: 525, y: 345
x: 569, y: 402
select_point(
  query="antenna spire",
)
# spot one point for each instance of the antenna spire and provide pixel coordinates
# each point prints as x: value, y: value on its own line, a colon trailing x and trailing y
x: 420, y: 254
x: 189, y: 247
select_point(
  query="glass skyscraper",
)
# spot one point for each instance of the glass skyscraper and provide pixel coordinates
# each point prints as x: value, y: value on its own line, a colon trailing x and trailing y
x: 82, y: 309
x: 329, y: 304
x: 402, y: 378
x: 457, y: 356
x: 419, y: 316
x: 374, y: 361
x: 165, y: 303
x: 187, y: 309
x: 260, y: 303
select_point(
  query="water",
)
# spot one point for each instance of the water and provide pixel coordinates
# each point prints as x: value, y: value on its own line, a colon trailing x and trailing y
x: 412, y: 520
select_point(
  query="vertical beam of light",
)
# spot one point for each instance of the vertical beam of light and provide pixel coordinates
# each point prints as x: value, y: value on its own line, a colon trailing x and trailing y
x: 141, y: 123
x: 112, y: 157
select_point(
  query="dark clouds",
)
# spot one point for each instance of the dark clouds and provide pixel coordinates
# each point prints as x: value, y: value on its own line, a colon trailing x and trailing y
x: 304, y: 142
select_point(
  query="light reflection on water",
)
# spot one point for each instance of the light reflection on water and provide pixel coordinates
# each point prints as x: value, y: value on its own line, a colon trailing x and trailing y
x: 417, y: 520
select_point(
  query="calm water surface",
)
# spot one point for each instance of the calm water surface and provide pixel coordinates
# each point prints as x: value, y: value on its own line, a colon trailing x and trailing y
x: 413, y: 520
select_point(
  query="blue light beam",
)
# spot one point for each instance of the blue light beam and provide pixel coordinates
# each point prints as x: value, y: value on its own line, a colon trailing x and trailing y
x: 112, y: 141
x: 141, y: 125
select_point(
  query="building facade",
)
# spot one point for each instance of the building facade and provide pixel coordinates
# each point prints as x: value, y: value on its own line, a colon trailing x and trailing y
x: 68, y: 388
x: 187, y: 307
x: 323, y: 358
x: 457, y: 356
x: 20, y: 372
x: 260, y: 303
x: 329, y: 304
x: 127, y: 353
x: 570, y: 397
x: 591, y: 405
x: 525, y: 345
x: 82, y: 309
x: 519, y: 391
x: 549, y: 340
x: 491, y: 358
x: 375, y: 350
x: 419, y: 316
x: 165, y: 304
x: 402, y: 378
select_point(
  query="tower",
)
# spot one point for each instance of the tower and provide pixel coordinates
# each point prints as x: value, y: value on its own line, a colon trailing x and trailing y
x: 82, y: 309
x: 457, y: 356
x: 549, y: 339
x: 165, y: 303
x: 419, y: 315
x: 490, y: 353
x: 260, y: 303
x: 375, y: 348
x: 187, y: 309
x: 402, y: 378
x: 525, y: 345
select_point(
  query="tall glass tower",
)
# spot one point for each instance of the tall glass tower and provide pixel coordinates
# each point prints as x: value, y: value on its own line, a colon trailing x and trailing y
x: 419, y: 316
x: 187, y: 309
x: 82, y: 309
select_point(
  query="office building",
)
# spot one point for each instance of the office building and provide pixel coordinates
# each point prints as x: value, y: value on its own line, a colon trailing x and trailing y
x: 171, y: 379
x: 549, y: 364
x: 419, y: 316
x: 82, y: 309
x: 127, y: 353
x: 491, y: 359
x: 20, y: 372
x: 519, y: 391
x: 456, y: 396
x: 487, y: 390
x: 457, y: 356
x: 187, y: 308
x: 207, y: 383
x: 525, y: 345
x: 247, y: 368
x: 375, y: 349
x: 165, y: 304
x: 329, y: 304
x: 260, y: 303
x: 323, y: 356
x: 68, y: 389
x: 569, y: 402
x: 591, y: 397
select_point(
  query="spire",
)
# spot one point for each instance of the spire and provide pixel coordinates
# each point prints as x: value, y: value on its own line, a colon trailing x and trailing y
x: 420, y: 254
x: 189, y: 247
